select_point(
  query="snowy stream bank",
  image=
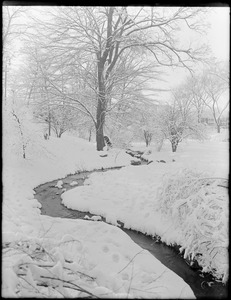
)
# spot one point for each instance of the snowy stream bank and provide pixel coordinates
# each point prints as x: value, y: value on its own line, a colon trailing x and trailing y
x: 49, y: 195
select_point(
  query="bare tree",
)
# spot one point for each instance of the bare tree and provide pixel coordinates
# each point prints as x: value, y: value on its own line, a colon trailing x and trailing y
x: 197, y: 95
x: 12, y: 29
x: 146, y: 123
x: 103, y: 35
x: 216, y: 83
x: 128, y: 103
x: 177, y: 121
x: 48, y: 107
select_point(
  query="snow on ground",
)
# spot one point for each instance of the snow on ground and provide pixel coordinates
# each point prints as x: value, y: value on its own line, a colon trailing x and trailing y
x: 59, y: 184
x: 73, y: 183
x: 130, y: 195
x: 93, y: 218
x: 211, y: 155
x: 74, y: 257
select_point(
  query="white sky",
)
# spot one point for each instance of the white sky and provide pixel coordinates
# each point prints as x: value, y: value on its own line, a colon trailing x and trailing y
x: 217, y: 38
x: 219, y: 33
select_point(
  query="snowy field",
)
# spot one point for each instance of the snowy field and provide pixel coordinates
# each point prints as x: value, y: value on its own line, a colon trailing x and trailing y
x: 80, y: 257
x: 178, y: 200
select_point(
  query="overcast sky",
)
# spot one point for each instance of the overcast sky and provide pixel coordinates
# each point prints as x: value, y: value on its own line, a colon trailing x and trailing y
x: 217, y: 38
x: 219, y: 32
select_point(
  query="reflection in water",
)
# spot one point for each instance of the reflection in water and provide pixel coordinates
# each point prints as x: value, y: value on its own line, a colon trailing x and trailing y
x: 49, y: 196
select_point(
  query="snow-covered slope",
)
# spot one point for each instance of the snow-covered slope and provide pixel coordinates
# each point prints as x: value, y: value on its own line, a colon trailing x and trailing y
x: 178, y: 200
x: 53, y: 257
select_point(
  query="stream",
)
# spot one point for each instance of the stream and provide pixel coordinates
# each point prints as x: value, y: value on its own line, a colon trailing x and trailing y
x: 203, y: 285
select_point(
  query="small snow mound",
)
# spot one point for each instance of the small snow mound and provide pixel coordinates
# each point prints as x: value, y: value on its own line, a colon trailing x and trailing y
x: 59, y: 184
x: 93, y: 218
x: 96, y: 218
x: 135, y: 159
x: 73, y: 183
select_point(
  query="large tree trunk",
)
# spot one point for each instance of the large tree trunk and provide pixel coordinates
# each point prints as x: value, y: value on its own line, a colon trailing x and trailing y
x: 101, y: 109
x: 100, y: 117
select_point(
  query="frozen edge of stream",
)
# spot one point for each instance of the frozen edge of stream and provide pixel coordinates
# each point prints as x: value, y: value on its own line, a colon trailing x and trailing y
x: 198, y: 282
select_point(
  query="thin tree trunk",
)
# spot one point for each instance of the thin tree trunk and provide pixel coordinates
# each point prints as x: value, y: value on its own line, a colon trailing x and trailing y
x: 49, y: 123
x: 147, y: 137
x: 174, y: 145
x: 24, y: 151
x: 20, y: 129
x: 5, y: 85
x: 89, y: 138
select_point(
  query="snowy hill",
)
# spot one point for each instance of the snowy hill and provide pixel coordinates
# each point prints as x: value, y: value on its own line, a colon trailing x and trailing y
x: 41, y: 247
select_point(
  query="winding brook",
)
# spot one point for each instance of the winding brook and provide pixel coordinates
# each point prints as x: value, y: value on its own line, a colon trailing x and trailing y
x: 203, y: 285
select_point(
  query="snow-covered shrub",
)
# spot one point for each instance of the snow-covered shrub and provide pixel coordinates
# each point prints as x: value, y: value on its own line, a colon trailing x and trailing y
x: 122, y: 141
x: 22, y: 136
x: 43, y: 269
x: 198, y: 208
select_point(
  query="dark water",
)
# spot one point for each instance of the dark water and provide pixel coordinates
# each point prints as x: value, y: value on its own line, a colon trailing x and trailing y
x: 49, y: 197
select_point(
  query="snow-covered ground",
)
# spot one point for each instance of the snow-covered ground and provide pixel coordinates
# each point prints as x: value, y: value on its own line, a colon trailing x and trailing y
x: 184, y: 201
x: 54, y: 257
